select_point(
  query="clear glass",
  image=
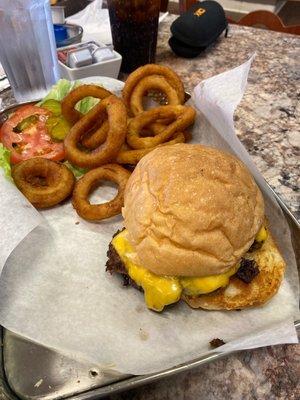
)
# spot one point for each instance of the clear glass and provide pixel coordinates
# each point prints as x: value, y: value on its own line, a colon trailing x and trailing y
x: 134, y: 25
x: 27, y: 47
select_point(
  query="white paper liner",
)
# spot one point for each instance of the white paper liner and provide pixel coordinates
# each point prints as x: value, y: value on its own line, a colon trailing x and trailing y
x: 55, y: 291
x: 17, y: 218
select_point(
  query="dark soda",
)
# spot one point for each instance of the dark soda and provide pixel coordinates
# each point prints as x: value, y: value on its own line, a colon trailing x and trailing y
x: 134, y: 25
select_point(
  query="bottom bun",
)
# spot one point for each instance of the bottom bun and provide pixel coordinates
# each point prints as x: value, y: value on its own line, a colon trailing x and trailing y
x: 237, y: 294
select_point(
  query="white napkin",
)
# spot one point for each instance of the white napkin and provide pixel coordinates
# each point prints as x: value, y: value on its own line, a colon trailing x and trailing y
x: 95, y: 22
x: 17, y: 218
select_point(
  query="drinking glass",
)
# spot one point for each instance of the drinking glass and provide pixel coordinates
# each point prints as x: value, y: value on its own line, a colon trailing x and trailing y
x: 134, y: 25
x: 27, y: 47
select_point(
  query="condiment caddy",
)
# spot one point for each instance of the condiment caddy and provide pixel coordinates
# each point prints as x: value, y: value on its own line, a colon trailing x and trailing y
x: 88, y: 59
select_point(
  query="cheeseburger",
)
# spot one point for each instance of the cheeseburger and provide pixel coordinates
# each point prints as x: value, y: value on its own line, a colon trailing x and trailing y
x: 195, y: 230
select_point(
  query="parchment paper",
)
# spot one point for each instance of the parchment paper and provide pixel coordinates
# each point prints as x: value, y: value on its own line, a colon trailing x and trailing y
x: 55, y: 291
x: 17, y: 218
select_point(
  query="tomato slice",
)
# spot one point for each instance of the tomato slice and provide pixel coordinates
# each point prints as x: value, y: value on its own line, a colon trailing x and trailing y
x: 32, y: 141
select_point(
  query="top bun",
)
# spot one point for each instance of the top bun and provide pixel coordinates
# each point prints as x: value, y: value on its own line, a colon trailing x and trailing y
x: 191, y: 210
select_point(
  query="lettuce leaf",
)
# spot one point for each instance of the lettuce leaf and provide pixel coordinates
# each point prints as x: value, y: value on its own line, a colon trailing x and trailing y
x: 77, y: 171
x: 86, y: 104
x: 62, y: 88
x: 59, y: 90
x: 5, y: 161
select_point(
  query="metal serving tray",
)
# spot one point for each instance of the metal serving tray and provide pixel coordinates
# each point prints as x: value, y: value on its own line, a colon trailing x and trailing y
x: 31, y: 371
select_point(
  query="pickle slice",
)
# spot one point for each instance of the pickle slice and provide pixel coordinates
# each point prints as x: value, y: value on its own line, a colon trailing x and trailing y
x: 58, y: 127
x: 54, y: 106
x: 51, y: 122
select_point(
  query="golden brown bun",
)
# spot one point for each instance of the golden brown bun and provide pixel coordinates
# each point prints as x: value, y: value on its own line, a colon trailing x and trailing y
x: 238, y: 294
x: 191, y: 210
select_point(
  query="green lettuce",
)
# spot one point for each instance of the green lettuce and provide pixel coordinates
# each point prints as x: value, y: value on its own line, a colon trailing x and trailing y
x: 59, y: 90
x: 62, y: 88
x: 86, y: 104
x: 77, y: 171
x: 5, y: 161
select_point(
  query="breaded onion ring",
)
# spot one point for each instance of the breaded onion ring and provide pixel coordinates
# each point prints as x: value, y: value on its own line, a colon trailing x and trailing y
x: 45, y: 183
x: 95, y: 138
x: 183, y: 117
x: 152, y: 82
x: 69, y: 102
x: 84, y: 186
x: 107, y: 152
x: 152, y: 69
x: 132, y: 157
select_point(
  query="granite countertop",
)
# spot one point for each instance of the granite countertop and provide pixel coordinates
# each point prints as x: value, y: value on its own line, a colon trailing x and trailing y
x: 267, y: 122
x: 268, y: 118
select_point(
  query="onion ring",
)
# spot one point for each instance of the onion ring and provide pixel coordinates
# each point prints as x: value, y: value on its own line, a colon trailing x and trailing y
x: 183, y: 117
x: 94, y: 139
x: 156, y: 82
x: 152, y: 69
x: 83, y: 187
x: 132, y: 157
x: 69, y: 102
x: 107, y: 152
x: 45, y: 183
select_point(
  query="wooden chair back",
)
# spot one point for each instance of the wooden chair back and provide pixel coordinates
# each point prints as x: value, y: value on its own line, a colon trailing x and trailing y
x: 269, y: 20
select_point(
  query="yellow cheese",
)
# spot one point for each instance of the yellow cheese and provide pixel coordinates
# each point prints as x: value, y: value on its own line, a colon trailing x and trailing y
x: 206, y: 284
x: 262, y: 235
x: 160, y: 291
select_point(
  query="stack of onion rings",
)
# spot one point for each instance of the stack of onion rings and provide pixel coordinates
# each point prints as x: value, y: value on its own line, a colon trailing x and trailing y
x: 183, y: 117
x: 107, y: 152
x: 84, y: 186
x: 45, y: 183
x: 164, y: 124
x: 163, y: 80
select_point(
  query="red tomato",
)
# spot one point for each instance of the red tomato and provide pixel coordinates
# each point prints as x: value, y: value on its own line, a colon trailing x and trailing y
x: 33, y: 141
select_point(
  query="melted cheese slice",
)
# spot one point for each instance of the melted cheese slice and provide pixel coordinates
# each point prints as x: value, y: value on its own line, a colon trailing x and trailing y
x: 262, y: 235
x: 206, y: 284
x: 161, y: 291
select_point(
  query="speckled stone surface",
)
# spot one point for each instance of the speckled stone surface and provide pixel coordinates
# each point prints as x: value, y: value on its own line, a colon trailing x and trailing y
x: 268, y: 118
x: 272, y: 373
x: 267, y: 122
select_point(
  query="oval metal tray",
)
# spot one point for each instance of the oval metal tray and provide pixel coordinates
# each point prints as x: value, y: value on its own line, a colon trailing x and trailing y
x: 31, y: 371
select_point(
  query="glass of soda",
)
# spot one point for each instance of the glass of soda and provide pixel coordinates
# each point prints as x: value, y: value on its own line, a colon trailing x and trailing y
x: 134, y: 25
